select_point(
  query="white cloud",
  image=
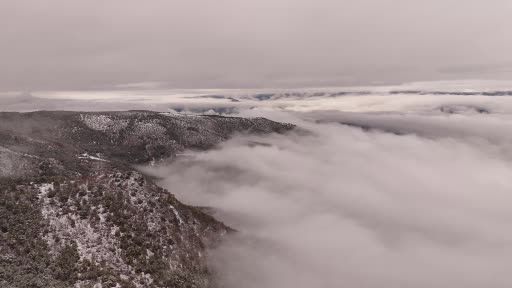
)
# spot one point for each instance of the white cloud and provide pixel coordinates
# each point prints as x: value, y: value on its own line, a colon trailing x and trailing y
x: 345, y: 207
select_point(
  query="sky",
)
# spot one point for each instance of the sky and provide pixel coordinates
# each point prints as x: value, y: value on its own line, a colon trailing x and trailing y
x: 97, y: 44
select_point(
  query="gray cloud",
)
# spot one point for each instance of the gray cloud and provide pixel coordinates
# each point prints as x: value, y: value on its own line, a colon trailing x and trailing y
x: 60, y: 44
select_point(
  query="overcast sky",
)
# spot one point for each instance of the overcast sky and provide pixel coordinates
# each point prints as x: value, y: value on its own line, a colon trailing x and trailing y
x: 90, y: 44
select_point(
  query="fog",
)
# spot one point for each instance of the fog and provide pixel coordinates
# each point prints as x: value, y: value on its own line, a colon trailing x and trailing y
x: 342, y: 206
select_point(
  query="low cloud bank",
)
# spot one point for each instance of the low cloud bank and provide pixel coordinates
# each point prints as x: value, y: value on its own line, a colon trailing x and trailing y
x: 466, y: 97
x: 348, y: 207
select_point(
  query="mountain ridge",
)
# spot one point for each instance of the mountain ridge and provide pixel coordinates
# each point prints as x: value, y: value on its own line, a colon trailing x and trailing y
x: 75, y: 213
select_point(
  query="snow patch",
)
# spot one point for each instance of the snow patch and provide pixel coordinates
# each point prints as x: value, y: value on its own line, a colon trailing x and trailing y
x: 87, y: 156
x: 180, y: 220
x: 104, y: 123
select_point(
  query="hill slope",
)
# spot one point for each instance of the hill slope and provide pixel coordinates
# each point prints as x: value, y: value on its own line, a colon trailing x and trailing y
x: 74, y: 213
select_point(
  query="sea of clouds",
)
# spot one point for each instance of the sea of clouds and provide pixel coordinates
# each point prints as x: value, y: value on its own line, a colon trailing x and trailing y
x: 374, y: 189
x: 343, y: 206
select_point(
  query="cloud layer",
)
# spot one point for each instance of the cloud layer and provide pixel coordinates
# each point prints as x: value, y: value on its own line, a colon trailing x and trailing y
x: 342, y: 206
